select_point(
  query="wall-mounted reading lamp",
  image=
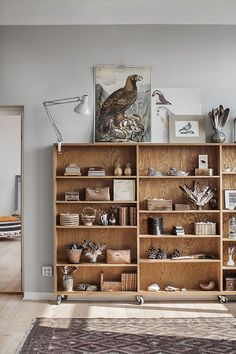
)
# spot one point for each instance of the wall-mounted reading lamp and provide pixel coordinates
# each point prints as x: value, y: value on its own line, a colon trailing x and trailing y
x: 82, y: 108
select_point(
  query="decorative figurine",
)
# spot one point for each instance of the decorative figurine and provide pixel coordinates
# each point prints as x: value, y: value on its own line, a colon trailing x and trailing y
x: 219, y: 117
x: 117, y: 170
x: 93, y: 250
x: 103, y: 218
x: 112, y: 220
x: 152, y: 172
x: 230, y: 262
x: 196, y: 195
x: 128, y: 170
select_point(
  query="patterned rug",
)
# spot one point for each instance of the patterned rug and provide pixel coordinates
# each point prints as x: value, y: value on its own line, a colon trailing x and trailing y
x: 127, y: 336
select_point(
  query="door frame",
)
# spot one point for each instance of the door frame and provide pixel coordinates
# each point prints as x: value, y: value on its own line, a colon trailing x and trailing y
x: 18, y: 110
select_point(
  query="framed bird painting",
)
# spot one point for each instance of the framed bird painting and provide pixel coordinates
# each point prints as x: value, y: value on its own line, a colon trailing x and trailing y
x: 123, y: 104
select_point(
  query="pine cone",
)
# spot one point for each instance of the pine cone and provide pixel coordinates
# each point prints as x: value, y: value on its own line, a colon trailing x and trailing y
x: 152, y: 253
x: 81, y: 287
x: 161, y: 254
x: 91, y: 287
x: 175, y: 253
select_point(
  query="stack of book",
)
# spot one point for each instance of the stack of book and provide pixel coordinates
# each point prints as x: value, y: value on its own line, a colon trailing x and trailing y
x: 96, y: 171
x: 127, y: 216
x: 178, y: 230
x: 128, y: 281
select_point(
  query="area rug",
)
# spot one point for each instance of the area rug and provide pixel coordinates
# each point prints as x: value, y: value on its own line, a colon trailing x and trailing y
x: 127, y: 336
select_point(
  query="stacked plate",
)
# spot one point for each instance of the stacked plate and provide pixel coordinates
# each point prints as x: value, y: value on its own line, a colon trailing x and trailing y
x: 69, y: 219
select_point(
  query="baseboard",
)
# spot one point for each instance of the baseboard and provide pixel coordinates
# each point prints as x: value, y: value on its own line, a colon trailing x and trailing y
x: 38, y: 296
x: 50, y: 296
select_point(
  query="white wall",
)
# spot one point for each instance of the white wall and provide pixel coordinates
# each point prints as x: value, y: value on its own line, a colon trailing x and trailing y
x: 113, y: 12
x: 38, y: 63
x: 10, y: 154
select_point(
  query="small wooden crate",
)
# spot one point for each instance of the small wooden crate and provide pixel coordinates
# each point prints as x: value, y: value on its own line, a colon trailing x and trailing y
x: 181, y: 206
x: 159, y: 204
x: 109, y: 285
x: 203, y: 171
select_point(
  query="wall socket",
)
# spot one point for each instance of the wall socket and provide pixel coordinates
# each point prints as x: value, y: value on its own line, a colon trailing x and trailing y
x: 46, y: 271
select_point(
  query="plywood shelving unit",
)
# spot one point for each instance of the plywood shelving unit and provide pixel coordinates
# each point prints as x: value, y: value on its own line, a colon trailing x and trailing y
x: 179, y: 273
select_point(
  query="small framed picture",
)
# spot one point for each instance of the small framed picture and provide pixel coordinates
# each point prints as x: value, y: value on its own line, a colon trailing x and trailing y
x: 187, y: 129
x: 202, y: 161
x: 124, y: 189
x: 230, y: 199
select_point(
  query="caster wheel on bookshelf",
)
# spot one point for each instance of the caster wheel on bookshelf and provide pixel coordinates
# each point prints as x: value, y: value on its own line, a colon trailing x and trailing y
x: 64, y: 297
x: 223, y: 299
x: 59, y: 299
x: 140, y: 300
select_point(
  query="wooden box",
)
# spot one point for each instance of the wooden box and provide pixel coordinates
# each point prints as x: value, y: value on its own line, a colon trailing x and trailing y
x: 109, y: 285
x: 181, y: 206
x: 203, y: 171
x: 159, y: 204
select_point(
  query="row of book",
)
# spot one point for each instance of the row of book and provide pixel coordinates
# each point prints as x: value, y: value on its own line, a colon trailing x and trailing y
x: 128, y: 216
x: 128, y: 281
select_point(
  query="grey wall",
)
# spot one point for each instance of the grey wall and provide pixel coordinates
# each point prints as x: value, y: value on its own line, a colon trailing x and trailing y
x: 38, y: 63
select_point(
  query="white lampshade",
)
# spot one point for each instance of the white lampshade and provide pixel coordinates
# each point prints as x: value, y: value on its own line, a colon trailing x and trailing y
x: 83, y: 108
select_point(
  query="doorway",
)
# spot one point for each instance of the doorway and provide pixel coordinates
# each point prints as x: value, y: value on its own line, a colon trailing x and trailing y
x: 11, y: 216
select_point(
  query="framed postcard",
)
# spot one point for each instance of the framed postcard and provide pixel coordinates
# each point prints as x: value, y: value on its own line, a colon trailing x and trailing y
x: 123, y: 104
x: 168, y: 102
x: 187, y: 129
x: 202, y: 161
x: 230, y: 199
x: 124, y: 189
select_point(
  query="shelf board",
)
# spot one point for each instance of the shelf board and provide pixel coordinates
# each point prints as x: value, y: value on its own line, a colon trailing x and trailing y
x: 227, y: 239
x: 179, y: 177
x: 97, y: 227
x: 95, y: 293
x: 151, y: 261
x: 229, y: 173
x: 190, y: 292
x: 229, y: 211
x: 229, y: 268
x: 178, y: 237
x: 97, y: 202
x: 96, y: 177
x: 97, y: 264
x: 178, y: 211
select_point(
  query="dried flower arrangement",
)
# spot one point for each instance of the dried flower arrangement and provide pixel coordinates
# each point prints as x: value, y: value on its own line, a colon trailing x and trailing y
x: 197, y: 195
x: 93, y: 250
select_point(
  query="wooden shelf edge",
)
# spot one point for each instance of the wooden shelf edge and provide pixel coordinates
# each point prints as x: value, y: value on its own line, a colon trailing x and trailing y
x: 179, y: 177
x: 97, y: 227
x: 228, y: 239
x: 228, y: 268
x: 97, y: 202
x: 144, y: 211
x: 86, y: 264
x: 174, y: 261
x: 179, y: 237
x: 96, y: 177
x: 145, y: 293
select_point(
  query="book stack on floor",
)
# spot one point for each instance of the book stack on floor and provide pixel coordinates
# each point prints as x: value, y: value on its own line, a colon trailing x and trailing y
x: 96, y: 171
x: 128, y: 216
x: 128, y: 281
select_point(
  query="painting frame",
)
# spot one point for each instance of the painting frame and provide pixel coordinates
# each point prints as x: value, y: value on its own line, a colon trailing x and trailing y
x: 113, y: 127
x: 187, y: 129
x: 230, y: 194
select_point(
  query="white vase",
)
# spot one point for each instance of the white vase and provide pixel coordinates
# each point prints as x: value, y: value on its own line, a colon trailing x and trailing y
x: 230, y: 261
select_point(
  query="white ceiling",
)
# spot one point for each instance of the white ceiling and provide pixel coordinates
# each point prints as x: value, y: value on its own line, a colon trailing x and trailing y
x: 76, y: 12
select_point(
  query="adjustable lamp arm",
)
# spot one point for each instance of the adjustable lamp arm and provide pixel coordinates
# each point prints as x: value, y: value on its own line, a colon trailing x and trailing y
x: 46, y: 104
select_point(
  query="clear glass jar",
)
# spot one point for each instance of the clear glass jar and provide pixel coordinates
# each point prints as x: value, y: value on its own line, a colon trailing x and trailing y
x: 232, y: 227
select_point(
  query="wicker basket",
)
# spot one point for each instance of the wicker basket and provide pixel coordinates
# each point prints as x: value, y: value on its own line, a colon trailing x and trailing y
x: 88, y: 216
x: 74, y: 255
x: 69, y: 219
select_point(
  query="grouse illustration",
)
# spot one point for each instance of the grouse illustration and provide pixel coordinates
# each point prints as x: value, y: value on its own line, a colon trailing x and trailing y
x: 161, y: 99
x: 187, y: 129
x: 113, y: 108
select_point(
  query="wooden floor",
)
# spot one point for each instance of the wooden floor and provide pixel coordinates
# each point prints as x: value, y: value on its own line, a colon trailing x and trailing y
x: 10, y: 265
x: 17, y: 315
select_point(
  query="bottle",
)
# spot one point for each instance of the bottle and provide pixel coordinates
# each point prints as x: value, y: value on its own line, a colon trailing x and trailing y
x: 128, y: 170
x: 232, y: 227
x: 117, y: 170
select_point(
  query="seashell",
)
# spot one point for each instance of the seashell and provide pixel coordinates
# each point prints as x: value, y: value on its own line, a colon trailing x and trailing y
x: 210, y: 286
x: 153, y: 288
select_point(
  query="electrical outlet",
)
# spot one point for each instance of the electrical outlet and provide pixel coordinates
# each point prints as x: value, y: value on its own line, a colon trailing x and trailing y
x: 46, y: 271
